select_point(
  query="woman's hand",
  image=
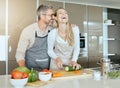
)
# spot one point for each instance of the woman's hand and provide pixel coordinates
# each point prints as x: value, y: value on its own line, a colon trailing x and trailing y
x: 75, y: 65
x: 59, y: 62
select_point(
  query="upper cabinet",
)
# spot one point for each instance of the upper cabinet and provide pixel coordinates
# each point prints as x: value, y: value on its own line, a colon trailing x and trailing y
x: 95, y: 20
x: 77, y: 15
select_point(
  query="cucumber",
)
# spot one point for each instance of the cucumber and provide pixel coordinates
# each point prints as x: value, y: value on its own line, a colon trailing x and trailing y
x: 71, y: 68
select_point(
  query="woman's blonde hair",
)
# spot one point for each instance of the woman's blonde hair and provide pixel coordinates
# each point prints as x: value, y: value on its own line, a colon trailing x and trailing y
x: 69, y: 31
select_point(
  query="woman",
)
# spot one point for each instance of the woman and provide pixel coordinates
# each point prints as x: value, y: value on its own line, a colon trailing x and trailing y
x: 63, y: 42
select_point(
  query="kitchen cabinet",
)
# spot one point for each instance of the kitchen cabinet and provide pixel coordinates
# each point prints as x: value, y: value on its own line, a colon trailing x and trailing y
x: 95, y: 35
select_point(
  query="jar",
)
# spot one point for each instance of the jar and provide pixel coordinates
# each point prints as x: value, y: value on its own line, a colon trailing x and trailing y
x: 105, y: 67
x: 97, y: 75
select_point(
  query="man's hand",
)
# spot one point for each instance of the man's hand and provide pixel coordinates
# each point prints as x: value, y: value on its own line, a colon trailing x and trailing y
x: 21, y: 63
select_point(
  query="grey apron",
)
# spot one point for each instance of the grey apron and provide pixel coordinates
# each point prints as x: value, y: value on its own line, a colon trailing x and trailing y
x: 36, y: 57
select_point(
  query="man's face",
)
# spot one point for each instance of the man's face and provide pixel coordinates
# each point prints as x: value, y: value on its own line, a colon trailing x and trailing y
x: 47, y: 17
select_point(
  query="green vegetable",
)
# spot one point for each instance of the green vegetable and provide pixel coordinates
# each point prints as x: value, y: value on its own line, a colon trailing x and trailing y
x: 33, y: 76
x: 71, y: 68
x: 114, y: 74
x: 22, y: 69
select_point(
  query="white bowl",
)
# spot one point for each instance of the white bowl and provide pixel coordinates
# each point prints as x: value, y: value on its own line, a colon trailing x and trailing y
x: 18, y: 83
x: 45, y: 76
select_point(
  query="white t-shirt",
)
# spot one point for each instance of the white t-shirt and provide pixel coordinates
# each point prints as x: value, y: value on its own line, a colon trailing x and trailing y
x: 53, y: 36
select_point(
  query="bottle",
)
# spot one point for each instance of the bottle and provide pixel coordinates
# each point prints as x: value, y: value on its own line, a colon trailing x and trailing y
x: 105, y: 67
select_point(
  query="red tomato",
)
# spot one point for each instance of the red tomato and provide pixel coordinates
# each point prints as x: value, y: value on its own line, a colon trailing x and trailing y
x: 45, y: 70
x: 25, y: 75
x: 16, y: 74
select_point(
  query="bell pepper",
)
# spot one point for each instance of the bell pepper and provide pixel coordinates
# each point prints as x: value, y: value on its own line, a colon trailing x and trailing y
x: 33, y: 76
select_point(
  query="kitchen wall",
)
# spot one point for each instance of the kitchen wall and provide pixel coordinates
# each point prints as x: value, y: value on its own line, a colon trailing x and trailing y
x: 21, y: 14
x: 2, y: 17
x: 2, y: 30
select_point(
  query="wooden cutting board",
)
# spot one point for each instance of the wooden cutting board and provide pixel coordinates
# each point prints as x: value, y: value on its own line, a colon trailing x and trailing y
x: 72, y: 74
x: 65, y: 75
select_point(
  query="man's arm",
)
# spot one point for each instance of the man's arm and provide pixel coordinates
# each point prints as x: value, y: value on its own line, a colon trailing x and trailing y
x: 22, y: 47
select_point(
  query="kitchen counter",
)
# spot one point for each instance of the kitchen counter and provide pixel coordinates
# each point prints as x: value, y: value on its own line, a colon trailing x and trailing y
x: 69, y: 83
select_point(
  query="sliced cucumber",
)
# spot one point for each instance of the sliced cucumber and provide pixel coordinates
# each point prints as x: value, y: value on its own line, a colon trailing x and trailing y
x: 71, y: 68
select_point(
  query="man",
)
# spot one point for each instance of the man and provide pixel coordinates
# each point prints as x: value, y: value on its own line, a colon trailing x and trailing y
x: 32, y: 46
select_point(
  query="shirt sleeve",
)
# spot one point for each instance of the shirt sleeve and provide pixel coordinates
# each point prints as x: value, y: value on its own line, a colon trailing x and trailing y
x: 22, y: 45
x: 51, y: 42
x: 76, y: 50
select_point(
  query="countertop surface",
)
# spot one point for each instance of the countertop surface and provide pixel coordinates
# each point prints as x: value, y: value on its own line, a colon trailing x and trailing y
x: 74, y: 82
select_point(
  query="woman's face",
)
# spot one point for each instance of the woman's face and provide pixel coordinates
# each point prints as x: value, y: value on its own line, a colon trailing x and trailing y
x: 62, y: 16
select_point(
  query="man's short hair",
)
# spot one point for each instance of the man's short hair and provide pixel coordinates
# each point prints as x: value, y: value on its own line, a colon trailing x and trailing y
x: 42, y: 9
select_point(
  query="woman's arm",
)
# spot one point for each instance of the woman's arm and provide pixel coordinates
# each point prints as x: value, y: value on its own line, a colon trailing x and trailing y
x: 51, y: 53
x: 77, y: 44
x: 51, y: 42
